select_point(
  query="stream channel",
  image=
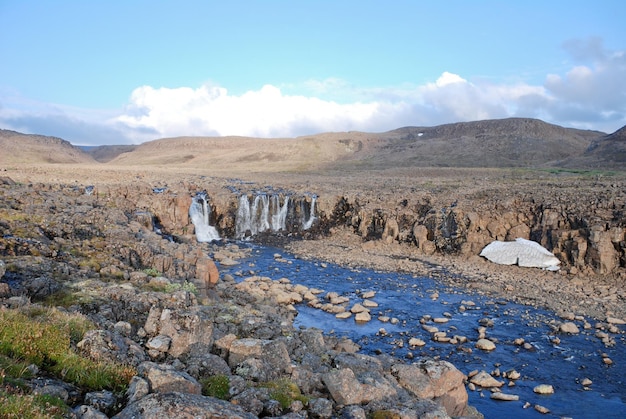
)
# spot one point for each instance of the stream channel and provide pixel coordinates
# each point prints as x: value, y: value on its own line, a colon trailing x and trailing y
x: 408, y: 298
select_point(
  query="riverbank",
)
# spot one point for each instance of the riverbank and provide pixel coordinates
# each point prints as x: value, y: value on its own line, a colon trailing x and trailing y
x: 596, y: 296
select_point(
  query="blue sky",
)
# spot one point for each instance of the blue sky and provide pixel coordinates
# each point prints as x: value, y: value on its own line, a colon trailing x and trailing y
x: 115, y: 72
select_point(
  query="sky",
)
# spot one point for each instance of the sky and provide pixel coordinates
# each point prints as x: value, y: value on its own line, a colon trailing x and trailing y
x: 126, y: 72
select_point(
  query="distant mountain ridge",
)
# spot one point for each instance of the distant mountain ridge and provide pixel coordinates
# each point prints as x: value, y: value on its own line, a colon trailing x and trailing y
x: 510, y: 142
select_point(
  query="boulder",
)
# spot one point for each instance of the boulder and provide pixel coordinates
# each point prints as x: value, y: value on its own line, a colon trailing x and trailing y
x: 343, y: 386
x: 436, y: 380
x: 105, y: 345
x: 268, y: 358
x: 180, y: 405
x: 164, y: 378
x: 522, y: 252
x: 188, y: 329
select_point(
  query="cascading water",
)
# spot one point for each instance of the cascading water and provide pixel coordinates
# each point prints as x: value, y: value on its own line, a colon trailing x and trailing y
x: 199, y: 214
x: 279, y: 214
x: 307, y: 222
x: 262, y: 213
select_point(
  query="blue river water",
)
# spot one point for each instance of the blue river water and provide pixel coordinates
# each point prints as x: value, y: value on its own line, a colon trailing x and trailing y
x: 408, y: 298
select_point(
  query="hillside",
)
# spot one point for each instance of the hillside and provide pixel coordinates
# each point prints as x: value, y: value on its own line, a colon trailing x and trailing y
x: 21, y: 148
x: 608, y: 151
x: 106, y: 153
x: 511, y: 142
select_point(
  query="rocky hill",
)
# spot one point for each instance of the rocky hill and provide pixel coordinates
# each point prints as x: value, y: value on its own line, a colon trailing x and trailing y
x: 512, y: 142
x: 608, y: 151
x: 21, y: 148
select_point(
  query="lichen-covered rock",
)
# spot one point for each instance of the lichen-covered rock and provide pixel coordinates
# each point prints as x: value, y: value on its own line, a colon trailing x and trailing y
x: 179, y: 405
x: 436, y: 380
x: 164, y: 378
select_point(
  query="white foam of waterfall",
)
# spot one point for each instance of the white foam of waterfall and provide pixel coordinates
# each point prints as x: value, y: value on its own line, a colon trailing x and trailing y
x: 243, y: 222
x: 199, y: 214
x: 308, y: 222
x: 264, y: 213
x: 279, y: 216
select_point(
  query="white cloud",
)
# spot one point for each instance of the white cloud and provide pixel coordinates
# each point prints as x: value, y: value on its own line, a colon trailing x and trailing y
x: 591, y: 94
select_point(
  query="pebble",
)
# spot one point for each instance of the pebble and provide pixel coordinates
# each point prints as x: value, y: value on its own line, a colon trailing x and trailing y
x: 544, y: 389
x: 542, y: 409
x: 569, y: 327
x: 504, y: 397
x: 416, y: 342
x: 586, y: 382
x: 485, y: 345
x: 441, y: 320
x: 344, y: 315
x: 370, y: 303
x: 615, y: 320
x: 368, y: 294
x: 483, y: 379
x: 362, y: 317
x: 513, y: 375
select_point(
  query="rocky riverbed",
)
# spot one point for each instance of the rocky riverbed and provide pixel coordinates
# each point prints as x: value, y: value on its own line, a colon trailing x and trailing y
x: 117, y: 247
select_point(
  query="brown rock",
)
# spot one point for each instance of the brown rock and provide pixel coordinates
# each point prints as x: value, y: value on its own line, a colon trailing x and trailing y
x: 437, y: 380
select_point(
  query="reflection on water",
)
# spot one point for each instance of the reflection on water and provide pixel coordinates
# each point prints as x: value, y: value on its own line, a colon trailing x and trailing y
x: 408, y: 299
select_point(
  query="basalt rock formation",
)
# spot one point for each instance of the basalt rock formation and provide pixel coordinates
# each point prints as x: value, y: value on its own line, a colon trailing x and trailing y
x: 583, y: 222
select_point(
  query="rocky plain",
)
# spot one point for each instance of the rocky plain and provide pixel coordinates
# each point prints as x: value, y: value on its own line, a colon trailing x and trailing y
x: 114, y: 244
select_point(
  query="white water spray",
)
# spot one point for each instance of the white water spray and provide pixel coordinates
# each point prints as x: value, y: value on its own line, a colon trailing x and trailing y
x: 263, y: 214
x: 308, y: 222
x: 199, y: 214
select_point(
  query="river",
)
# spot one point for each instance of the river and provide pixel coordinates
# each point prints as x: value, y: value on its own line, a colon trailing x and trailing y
x: 408, y: 298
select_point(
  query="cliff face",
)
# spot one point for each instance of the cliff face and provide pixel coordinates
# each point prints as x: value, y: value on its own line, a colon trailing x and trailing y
x: 583, y: 221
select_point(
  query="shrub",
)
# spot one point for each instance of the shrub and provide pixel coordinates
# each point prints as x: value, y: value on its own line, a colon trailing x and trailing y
x: 216, y: 386
x: 285, y: 392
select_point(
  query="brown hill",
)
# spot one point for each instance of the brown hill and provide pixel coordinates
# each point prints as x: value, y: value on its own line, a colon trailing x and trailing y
x: 606, y: 152
x: 21, y: 148
x: 512, y: 142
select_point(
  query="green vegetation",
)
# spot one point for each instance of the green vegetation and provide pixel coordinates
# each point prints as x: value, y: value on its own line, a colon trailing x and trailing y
x: 23, y: 406
x: 285, y: 392
x: 151, y: 272
x: 581, y: 172
x: 170, y: 288
x: 45, y: 338
x: 216, y: 386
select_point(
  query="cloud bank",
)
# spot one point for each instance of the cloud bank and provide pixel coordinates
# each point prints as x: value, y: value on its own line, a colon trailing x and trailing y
x: 590, y: 95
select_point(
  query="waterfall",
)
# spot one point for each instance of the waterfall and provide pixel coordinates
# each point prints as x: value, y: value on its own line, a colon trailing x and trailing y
x: 199, y: 214
x: 243, y: 222
x: 265, y: 213
x: 307, y: 223
x: 279, y: 215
